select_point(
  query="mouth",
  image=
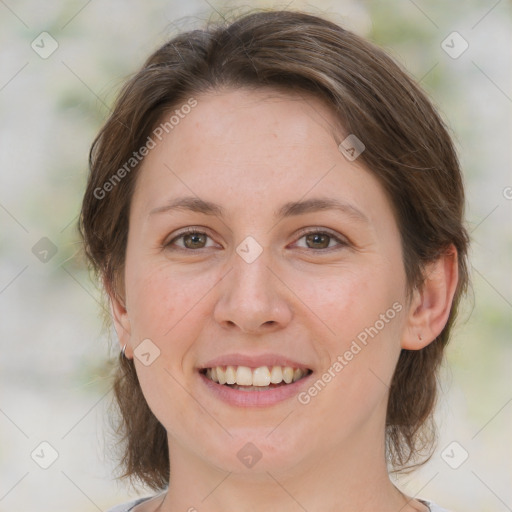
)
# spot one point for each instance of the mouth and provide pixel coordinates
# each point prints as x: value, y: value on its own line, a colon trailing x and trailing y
x: 263, y: 378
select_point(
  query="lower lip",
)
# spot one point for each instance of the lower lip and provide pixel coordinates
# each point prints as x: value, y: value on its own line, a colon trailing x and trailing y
x: 255, y: 398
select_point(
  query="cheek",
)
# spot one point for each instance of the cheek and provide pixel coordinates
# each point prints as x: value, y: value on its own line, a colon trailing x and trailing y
x: 160, y: 385
x: 363, y: 314
x: 159, y: 300
x: 350, y: 301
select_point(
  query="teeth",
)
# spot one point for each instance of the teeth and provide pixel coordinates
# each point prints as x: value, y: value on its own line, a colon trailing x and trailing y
x: 221, y: 375
x: 276, y: 375
x: 288, y: 374
x: 230, y: 375
x: 243, y: 376
x: 297, y: 374
x: 262, y: 376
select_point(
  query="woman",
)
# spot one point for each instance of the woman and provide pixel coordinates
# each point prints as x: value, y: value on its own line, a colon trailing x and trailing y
x: 275, y: 210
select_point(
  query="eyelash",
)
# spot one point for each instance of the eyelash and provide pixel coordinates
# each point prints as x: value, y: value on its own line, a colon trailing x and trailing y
x: 193, y: 231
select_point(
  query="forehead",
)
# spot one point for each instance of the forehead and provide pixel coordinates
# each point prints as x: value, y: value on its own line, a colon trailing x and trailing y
x: 250, y: 117
x: 252, y: 144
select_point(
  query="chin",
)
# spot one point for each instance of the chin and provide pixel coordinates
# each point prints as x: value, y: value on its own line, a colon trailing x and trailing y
x: 257, y: 450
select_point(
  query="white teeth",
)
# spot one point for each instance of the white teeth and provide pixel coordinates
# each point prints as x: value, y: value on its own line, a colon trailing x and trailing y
x: 243, y: 376
x: 261, y: 377
x: 276, y: 375
x: 221, y: 375
x: 230, y: 375
x: 288, y: 374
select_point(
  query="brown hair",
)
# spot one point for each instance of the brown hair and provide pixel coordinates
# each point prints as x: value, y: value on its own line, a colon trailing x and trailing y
x: 408, y: 149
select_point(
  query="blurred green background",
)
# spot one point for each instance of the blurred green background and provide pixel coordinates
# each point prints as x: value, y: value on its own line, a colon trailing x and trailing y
x: 53, y: 370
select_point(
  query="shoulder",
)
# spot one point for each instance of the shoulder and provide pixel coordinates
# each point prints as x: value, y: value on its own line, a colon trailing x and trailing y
x: 433, y: 507
x: 126, y: 507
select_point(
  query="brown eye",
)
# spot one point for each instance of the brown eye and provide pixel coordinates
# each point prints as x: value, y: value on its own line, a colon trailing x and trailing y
x: 190, y: 240
x: 194, y: 240
x: 321, y: 240
x: 318, y: 240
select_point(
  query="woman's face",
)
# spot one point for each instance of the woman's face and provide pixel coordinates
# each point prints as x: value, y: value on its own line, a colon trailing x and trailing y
x: 255, y: 287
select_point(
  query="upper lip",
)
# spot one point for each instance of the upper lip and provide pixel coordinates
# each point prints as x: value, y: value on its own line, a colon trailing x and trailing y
x: 253, y: 361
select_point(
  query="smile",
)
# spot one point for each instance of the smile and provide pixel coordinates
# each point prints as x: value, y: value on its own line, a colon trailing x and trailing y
x: 257, y: 379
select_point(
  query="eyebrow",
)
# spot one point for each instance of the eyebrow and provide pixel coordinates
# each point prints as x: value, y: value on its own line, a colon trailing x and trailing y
x: 292, y: 208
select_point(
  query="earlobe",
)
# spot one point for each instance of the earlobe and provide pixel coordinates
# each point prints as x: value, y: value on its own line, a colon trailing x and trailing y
x: 430, y: 307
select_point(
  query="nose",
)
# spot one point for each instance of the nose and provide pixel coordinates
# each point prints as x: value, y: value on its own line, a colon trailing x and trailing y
x: 252, y: 297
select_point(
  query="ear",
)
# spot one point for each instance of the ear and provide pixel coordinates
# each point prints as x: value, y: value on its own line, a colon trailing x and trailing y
x: 119, y: 317
x: 431, y: 305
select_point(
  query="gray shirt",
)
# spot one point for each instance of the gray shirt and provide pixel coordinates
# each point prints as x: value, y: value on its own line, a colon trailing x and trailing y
x: 126, y: 507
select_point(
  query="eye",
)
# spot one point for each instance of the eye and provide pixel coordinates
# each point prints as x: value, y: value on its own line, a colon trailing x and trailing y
x: 192, y: 239
x: 319, y: 240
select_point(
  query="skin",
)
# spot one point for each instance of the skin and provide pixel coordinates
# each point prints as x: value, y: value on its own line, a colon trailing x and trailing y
x: 252, y: 151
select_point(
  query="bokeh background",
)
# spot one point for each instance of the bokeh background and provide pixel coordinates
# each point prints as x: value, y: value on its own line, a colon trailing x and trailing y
x: 55, y: 92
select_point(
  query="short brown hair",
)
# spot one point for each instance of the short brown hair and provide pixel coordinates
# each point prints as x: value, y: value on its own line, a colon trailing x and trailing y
x: 408, y: 149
